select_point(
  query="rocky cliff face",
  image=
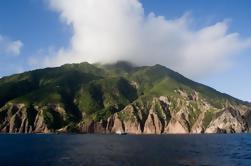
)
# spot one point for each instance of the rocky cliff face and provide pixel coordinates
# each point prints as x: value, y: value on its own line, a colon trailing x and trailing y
x: 163, y: 120
x: 18, y: 118
x: 159, y: 117
x: 98, y: 98
x: 228, y: 121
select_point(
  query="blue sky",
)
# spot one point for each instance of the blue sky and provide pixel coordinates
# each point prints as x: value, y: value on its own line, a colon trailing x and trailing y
x: 39, y: 29
x: 237, y: 80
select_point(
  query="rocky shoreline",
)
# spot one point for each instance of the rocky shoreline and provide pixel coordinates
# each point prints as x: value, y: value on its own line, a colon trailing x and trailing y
x: 156, y: 118
x: 116, y: 98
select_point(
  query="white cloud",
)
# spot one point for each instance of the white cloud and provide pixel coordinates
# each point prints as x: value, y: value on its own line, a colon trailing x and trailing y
x: 112, y: 30
x: 9, y: 47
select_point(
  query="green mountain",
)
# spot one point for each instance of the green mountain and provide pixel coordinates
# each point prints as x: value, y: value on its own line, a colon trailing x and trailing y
x: 119, y: 97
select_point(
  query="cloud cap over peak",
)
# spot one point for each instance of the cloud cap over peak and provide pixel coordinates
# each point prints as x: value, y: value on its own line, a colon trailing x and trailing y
x: 114, y: 30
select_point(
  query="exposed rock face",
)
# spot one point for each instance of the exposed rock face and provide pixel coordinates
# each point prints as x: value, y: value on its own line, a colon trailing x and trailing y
x: 17, y: 118
x: 229, y: 121
x: 175, y: 127
x: 163, y: 121
x: 247, y: 117
x: 153, y: 124
x: 198, y: 126
x: 159, y: 116
x: 120, y: 97
x: 125, y: 121
x: 132, y: 119
x: 92, y: 127
x: 179, y: 123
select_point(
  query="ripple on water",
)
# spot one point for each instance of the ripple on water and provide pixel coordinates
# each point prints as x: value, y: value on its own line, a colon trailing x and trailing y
x: 183, y: 150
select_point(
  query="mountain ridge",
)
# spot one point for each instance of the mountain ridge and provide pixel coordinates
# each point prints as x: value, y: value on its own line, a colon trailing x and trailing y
x: 116, y: 97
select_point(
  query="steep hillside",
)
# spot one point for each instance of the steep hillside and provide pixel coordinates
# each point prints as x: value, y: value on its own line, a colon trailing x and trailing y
x: 91, y: 98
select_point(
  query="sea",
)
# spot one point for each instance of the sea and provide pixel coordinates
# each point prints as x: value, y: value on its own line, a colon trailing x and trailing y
x: 125, y: 150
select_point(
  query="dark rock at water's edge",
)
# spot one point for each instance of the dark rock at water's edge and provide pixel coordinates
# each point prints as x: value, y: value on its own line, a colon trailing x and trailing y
x: 119, y: 98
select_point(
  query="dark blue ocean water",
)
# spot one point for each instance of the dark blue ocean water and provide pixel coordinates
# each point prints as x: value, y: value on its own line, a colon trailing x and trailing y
x: 181, y: 150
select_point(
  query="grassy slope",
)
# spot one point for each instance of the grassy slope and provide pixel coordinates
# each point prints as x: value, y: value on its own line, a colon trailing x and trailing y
x: 96, y: 91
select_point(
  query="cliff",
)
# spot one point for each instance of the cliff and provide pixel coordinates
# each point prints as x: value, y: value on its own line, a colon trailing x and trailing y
x: 87, y: 98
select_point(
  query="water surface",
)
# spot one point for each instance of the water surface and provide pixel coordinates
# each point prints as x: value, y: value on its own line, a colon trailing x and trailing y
x: 181, y: 150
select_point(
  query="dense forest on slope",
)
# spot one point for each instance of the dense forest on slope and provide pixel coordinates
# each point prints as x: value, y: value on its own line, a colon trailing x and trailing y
x: 117, y: 97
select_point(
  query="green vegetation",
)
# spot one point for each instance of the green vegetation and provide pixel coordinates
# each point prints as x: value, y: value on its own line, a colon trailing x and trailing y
x: 105, y: 97
x: 95, y: 92
x: 194, y: 112
x: 208, y: 118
